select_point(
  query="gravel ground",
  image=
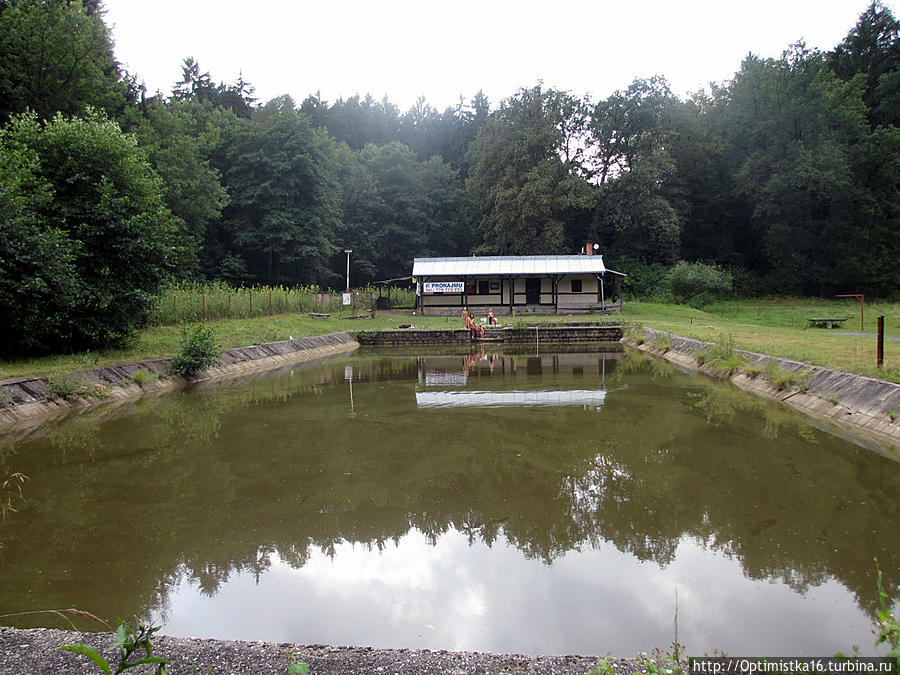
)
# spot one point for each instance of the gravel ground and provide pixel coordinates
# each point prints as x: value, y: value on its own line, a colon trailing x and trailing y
x: 32, y: 651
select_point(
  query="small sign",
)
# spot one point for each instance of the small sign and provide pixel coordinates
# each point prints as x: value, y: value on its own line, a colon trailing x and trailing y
x: 346, y: 298
x: 444, y: 287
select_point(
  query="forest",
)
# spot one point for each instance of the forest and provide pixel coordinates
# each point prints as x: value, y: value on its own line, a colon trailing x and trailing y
x: 787, y: 176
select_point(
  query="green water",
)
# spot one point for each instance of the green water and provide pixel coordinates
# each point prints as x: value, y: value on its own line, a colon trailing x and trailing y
x: 551, y: 503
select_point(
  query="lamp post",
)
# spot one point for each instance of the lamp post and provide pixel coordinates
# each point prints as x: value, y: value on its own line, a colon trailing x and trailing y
x: 348, y: 251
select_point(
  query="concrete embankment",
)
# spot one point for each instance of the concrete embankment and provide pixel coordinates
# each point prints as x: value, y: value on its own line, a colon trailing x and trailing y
x: 33, y: 396
x: 863, y: 404
x: 524, y: 335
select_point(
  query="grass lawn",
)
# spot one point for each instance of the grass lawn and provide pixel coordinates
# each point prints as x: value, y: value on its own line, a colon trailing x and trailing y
x: 778, y: 327
x: 773, y: 326
x: 163, y: 341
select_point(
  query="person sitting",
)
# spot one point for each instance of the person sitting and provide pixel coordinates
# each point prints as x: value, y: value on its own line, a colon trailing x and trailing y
x: 476, y: 330
x: 491, y: 318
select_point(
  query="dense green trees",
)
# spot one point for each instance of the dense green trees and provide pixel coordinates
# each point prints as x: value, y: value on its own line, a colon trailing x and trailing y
x: 57, y: 57
x: 788, y: 175
x: 85, y: 239
x: 529, y: 191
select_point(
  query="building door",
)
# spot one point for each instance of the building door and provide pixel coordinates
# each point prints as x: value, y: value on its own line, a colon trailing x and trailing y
x: 533, y: 291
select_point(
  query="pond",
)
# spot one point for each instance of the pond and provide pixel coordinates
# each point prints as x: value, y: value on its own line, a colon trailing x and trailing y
x: 566, y: 502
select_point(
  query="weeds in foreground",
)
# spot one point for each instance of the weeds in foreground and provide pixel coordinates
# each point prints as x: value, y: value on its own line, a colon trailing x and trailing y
x: 127, y: 641
x: 886, y: 624
x: 297, y: 666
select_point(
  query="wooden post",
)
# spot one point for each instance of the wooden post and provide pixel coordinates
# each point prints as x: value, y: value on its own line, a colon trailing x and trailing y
x: 251, y: 304
x: 175, y: 308
x: 229, y: 306
x: 880, y: 351
x: 270, y: 302
x: 203, y: 306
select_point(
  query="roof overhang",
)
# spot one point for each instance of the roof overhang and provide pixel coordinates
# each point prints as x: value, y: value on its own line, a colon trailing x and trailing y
x: 511, y: 265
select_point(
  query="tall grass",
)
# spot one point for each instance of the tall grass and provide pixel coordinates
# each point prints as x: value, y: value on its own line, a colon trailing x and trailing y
x: 188, y: 302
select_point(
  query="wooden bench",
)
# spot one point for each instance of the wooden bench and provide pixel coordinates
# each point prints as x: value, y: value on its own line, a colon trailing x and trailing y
x: 319, y: 315
x: 824, y: 323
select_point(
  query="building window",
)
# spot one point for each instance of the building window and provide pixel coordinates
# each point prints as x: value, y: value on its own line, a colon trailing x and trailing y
x: 576, y: 285
x: 483, y: 287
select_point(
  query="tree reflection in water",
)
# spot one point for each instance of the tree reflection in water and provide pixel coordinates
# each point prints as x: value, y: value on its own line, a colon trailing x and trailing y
x: 203, y: 485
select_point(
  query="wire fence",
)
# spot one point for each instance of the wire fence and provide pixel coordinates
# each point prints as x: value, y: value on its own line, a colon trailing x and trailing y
x: 193, y: 302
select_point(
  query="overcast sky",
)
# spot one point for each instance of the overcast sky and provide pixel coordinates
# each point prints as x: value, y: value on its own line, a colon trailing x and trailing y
x: 410, y: 48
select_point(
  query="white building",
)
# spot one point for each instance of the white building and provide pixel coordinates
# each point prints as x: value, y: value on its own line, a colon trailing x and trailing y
x: 539, y: 284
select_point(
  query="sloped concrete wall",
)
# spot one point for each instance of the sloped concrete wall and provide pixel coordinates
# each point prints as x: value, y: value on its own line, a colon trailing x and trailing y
x: 26, y: 397
x: 855, y: 401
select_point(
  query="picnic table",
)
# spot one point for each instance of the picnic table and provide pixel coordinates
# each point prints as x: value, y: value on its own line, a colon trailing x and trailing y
x: 824, y: 323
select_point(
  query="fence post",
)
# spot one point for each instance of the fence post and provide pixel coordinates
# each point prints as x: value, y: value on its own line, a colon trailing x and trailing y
x: 251, y: 304
x: 229, y: 306
x: 175, y: 308
x: 270, y: 302
x: 879, y: 358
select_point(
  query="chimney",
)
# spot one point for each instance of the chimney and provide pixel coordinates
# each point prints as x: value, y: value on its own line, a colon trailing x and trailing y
x: 589, y: 248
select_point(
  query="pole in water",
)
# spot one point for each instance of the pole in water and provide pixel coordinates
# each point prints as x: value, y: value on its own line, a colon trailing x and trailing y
x: 880, y: 351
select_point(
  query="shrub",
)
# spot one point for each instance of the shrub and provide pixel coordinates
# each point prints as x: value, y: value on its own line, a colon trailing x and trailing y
x: 101, y: 240
x: 643, y: 280
x: 198, y: 351
x: 705, y: 282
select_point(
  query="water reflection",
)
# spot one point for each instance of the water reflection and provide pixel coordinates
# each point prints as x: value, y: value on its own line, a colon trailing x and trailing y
x: 329, y: 505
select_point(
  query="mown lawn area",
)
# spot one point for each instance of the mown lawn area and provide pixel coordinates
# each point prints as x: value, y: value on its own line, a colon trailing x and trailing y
x: 163, y: 341
x: 779, y: 327
x: 774, y: 326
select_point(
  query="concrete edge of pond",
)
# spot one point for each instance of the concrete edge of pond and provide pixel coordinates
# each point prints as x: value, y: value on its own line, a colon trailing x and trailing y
x: 549, y: 334
x: 27, y: 398
x: 862, y: 406
x: 35, y: 650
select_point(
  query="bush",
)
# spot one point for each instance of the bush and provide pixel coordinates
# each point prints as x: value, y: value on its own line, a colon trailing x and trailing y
x: 85, y: 239
x: 689, y: 280
x: 643, y: 280
x: 198, y: 352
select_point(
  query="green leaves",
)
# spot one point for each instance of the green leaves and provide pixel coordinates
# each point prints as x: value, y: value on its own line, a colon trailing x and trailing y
x: 127, y: 641
x: 198, y: 351
x: 91, y: 653
x: 56, y: 57
x: 86, y: 242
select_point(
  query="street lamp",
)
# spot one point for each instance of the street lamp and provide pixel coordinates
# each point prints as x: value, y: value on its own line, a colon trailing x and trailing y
x: 348, y: 251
